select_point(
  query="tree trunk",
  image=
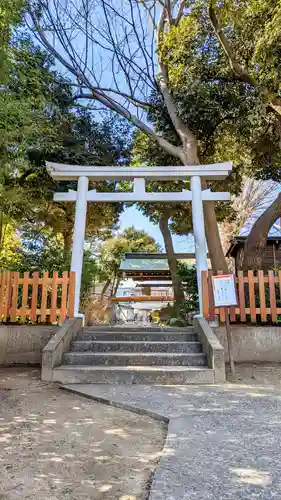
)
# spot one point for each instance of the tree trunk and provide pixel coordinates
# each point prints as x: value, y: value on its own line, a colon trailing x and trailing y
x: 67, y: 245
x: 116, y: 285
x: 168, y: 242
x: 215, y: 249
x: 257, y: 240
x: 67, y: 232
x: 105, y: 287
x: 67, y: 240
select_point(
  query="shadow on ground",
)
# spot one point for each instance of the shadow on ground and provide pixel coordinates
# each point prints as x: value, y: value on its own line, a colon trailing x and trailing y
x: 223, y: 441
x: 57, y: 445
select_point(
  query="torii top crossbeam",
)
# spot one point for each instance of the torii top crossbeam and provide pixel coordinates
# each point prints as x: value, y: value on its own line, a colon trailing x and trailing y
x: 139, y: 175
x: 217, y: 171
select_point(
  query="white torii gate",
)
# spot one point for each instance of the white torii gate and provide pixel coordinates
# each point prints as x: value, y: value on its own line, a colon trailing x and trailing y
x: 139, y: 175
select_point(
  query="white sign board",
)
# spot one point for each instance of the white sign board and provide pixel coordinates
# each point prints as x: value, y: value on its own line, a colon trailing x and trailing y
x: 224, y: 290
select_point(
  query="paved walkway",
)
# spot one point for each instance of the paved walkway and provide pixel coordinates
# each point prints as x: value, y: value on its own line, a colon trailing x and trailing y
x: 223, y: 442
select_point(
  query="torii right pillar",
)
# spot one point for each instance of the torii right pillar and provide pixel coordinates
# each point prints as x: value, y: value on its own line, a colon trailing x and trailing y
x: 199, y: 234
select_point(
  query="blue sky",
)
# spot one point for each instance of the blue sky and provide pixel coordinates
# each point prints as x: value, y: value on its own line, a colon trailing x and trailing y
x: 133, y: 217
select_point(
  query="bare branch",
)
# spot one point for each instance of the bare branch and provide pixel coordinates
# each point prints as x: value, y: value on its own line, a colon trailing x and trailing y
x: 117, y: 46
x: 180, y: 12
x: 149, y: 12
x: 141, y: 104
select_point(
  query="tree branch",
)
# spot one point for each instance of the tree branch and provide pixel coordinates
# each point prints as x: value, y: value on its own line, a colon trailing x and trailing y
x: 240, y: 71
x: 187, y: 138
x: 256, y: 242
x: 74, y: 64
x: 180, y: 12
x: 134, y: 100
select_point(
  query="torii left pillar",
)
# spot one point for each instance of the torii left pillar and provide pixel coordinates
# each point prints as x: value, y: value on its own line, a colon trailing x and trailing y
x: 79, y: 237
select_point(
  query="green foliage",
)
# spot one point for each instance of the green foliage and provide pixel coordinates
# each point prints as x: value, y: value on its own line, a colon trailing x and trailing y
x: 229, y: 118
x: 40, y: 251
x: 112, y: 251
x: 176, y: 322
x: 89, y: 274
x: 254, y: 31
x: 38, y: 122
x: 177, y: 316
x: 10, y: 242
x: 10, y: 16
x: 189, y: 283
x: 41, y: 123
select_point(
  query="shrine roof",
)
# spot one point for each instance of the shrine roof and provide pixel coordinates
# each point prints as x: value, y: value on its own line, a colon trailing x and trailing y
x: 150, y: 264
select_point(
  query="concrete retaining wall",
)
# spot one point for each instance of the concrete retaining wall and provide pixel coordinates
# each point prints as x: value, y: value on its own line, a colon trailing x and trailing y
x: 252, y: 343
x: 212, y: 348
x: 23, y: 344
x: 59, y: 343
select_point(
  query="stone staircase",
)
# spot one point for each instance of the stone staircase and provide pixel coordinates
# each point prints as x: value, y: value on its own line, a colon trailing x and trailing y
x: 123, y: 355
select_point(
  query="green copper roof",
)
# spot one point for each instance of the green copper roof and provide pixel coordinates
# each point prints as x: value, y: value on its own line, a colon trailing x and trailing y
x: 149, y: 262
x: 144, y: 265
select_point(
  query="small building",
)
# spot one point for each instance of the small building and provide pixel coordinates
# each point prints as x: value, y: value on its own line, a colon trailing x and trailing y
x: 272, y: 254
x: 150, y: 267
x: 151, y: 277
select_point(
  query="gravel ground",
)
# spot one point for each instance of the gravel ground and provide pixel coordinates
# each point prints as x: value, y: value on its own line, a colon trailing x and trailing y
x: 57, y: 445
x: 257, y: 374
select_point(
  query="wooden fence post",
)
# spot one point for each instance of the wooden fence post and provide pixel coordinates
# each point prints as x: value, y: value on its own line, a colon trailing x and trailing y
x: 71, y: 294
x: 252, y: 297
x: 262, y: 296
x: 15, y: 294
x: 35, y: 284
x: 7, y: 296
x: 241, y: 296
x: 24, y: 297
x: 54, y: 297
x: 205, y: 294
x: 272, y: 296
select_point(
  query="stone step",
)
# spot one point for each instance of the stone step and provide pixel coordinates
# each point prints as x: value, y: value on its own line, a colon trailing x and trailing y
x: 137, y: 329
x: 169, y: 375
x: 132, y: 346
x: 125, y: 336
x: 135, y: 359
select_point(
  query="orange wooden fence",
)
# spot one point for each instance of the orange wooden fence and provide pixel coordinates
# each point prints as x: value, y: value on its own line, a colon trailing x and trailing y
x: 259, y: 297
x: 36, y: 299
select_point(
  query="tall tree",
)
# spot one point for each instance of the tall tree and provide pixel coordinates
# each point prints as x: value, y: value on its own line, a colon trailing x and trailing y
x: 129, y: 40
x: 40, y: 123
x: 228, y: 115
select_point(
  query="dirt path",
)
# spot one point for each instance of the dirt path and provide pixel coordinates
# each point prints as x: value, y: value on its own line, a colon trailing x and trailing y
x: 55, y: 445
